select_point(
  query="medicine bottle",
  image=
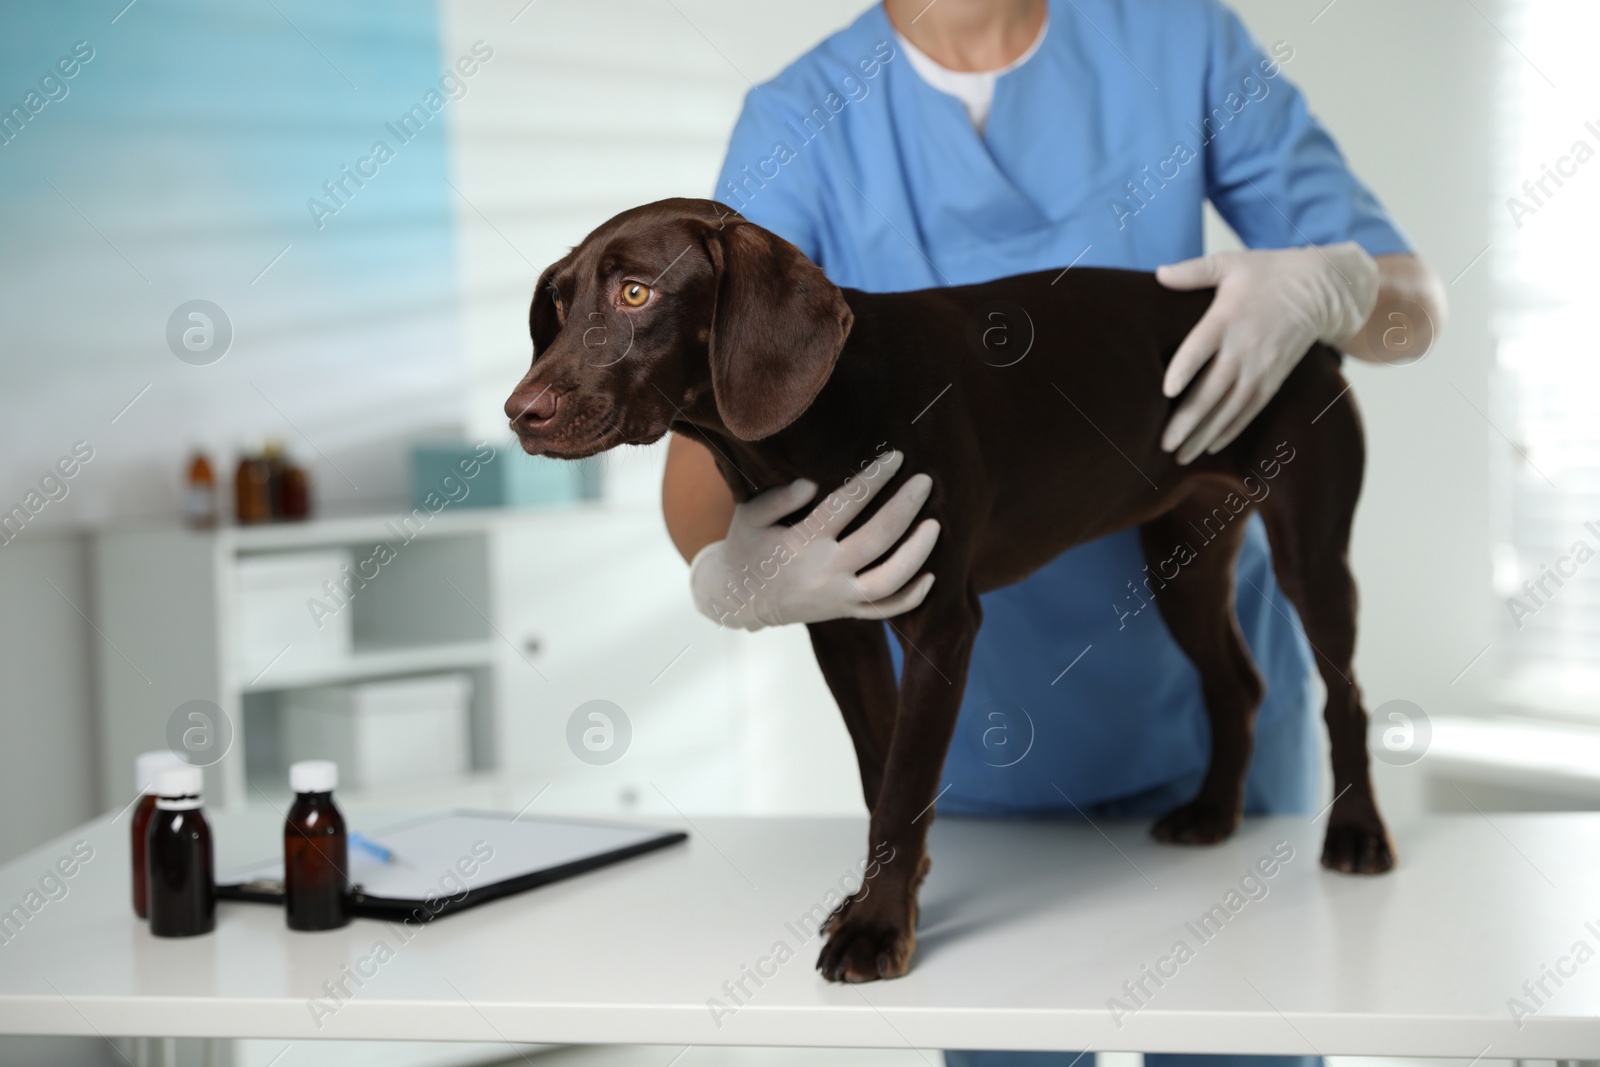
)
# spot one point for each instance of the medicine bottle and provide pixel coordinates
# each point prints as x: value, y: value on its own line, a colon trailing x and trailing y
x: 276, y: 464
x: 200, y: 493
x: 252, y: 491
x: 182, y: 894
x: 316, y: 853
x: 146, y: 768
x: 296, y: 495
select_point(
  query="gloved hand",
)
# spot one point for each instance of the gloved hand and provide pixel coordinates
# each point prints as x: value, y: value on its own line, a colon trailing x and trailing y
x: 1269, y: 308
x: 763, y: 574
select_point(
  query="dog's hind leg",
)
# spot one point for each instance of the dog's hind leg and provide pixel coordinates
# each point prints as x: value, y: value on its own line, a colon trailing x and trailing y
x: 1309, y: 513
x: 854, y: 657
x: 1199, y: 540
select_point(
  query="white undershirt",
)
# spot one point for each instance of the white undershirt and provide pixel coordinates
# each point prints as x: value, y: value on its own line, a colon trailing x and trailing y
x: 974, y: 88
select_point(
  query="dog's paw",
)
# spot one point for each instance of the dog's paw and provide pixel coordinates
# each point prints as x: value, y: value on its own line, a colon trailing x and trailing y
x: 839, y: 915
x: 1196, y: 823
x: 865, y: 950
x: 1357, y: 848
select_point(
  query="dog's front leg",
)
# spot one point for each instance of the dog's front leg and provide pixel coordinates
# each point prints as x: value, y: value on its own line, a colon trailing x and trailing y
x: 854, y: 657
x: 873, y: 934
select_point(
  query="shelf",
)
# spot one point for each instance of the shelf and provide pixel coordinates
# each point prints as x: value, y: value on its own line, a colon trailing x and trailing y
x: 169, y: 597
x: 385, y: 526
x: 376, y: 663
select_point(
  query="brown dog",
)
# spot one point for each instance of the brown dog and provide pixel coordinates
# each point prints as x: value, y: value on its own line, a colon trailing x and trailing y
x: 682, y: 316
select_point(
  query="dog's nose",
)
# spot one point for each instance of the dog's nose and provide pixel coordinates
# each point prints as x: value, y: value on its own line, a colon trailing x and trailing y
x: 537, y: 407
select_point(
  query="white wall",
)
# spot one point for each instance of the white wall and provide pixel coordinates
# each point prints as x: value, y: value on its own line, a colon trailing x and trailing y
x: 177, y: 166
x: 180, y: 166
x: 47, y: 748
x: 589, y: 109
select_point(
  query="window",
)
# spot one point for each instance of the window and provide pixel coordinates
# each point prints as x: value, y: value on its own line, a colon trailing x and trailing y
x: 1547, y: 271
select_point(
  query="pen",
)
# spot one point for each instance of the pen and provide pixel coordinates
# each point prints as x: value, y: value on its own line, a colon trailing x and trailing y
x: 371, y: 847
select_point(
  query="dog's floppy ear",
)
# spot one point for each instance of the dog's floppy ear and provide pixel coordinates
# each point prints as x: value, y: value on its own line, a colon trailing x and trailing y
x: 543, y: 322
x: 776, y: 332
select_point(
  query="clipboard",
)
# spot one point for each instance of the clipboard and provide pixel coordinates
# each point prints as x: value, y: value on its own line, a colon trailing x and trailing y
x: 444, y: 864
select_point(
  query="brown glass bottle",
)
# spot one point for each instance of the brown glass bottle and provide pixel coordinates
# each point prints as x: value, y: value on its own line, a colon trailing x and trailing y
x: 181, y: 890
x: 142, y: 811
x: 272, y: 456
x: 147, y: 768
x: 296, y: 495
x: 316, y: 853
x: 252, y: 491
x: 200, y: 493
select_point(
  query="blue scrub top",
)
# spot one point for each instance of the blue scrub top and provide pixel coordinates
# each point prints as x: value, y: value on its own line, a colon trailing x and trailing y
x: 1099, y: 150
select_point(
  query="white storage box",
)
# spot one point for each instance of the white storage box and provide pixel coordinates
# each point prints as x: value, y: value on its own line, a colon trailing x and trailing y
x: 382, y: 732
x: 283, y: 603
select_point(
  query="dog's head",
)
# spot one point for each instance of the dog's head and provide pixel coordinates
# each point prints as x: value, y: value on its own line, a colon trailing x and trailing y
x: 676, y: 310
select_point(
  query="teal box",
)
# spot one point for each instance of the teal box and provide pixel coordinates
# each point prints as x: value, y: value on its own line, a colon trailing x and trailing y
x: 499, y: 476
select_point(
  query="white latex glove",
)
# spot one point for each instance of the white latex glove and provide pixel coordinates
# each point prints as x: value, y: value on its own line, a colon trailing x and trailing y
x: 1270, y: 307
x: 763, y: 574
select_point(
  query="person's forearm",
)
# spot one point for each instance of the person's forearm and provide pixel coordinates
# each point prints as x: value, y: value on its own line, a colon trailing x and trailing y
x: 1408, y: 317
x: 695, y: 501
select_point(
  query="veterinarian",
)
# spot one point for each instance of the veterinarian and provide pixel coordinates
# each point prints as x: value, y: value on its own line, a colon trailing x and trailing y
x: 965, y: 140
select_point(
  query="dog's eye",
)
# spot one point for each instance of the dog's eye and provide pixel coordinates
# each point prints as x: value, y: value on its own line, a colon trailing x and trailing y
x: 561, y: 310
x: 634, y: 294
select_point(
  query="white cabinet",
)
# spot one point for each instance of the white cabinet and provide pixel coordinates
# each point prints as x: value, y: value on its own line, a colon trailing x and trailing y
x: 599, y: 610
x: 548, y: 609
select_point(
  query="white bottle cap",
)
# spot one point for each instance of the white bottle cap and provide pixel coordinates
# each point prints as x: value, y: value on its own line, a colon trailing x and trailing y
x: 184, y: 781
x: 314, y: 776
x: 148, y: 767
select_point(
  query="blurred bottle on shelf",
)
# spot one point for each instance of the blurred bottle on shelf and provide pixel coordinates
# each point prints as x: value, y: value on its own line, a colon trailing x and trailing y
x: 295, y: 495
x: 269, y: 487
x: 200, y: 493
x: 252, y: 490
x: 272, y: 456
